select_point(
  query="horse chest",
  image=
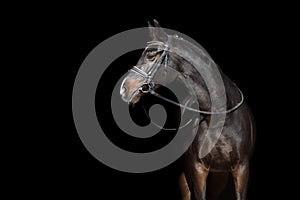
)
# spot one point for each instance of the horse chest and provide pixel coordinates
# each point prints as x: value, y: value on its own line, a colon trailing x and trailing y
x: 223, y: 156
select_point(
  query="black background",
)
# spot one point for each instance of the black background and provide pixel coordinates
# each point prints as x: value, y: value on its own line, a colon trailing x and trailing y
x: 243, y: 41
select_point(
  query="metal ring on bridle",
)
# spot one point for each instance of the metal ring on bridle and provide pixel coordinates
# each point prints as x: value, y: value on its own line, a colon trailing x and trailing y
x: 146, y: 88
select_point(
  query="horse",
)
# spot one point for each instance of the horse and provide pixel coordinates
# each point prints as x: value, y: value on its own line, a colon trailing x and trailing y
x: 233, y: 149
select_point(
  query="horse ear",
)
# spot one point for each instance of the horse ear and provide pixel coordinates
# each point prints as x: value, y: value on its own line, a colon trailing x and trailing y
x: 151, y: 31
x: 156, y: 24
x: 157, y: 32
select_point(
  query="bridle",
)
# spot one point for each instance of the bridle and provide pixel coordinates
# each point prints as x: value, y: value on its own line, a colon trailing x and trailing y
x: 149, y: 85
x: 163, y: 61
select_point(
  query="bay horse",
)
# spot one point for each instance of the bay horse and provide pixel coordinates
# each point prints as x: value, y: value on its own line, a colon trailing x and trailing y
x: 234, y: 147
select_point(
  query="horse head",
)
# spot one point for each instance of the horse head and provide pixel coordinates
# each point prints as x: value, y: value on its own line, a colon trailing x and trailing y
x: 151, y: 69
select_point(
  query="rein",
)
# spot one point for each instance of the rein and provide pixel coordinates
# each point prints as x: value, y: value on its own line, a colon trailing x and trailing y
x: 197, y: 110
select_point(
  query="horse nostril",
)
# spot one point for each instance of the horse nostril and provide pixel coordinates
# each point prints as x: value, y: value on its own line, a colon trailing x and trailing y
x: 123, y: 90
x: 124, y: 94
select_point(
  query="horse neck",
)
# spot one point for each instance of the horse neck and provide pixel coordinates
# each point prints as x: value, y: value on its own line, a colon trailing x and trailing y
x: 199, y: 87
x: 186, y: 57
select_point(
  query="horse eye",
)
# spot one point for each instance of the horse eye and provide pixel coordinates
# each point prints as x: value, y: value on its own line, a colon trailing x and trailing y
x: 151, y: 55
